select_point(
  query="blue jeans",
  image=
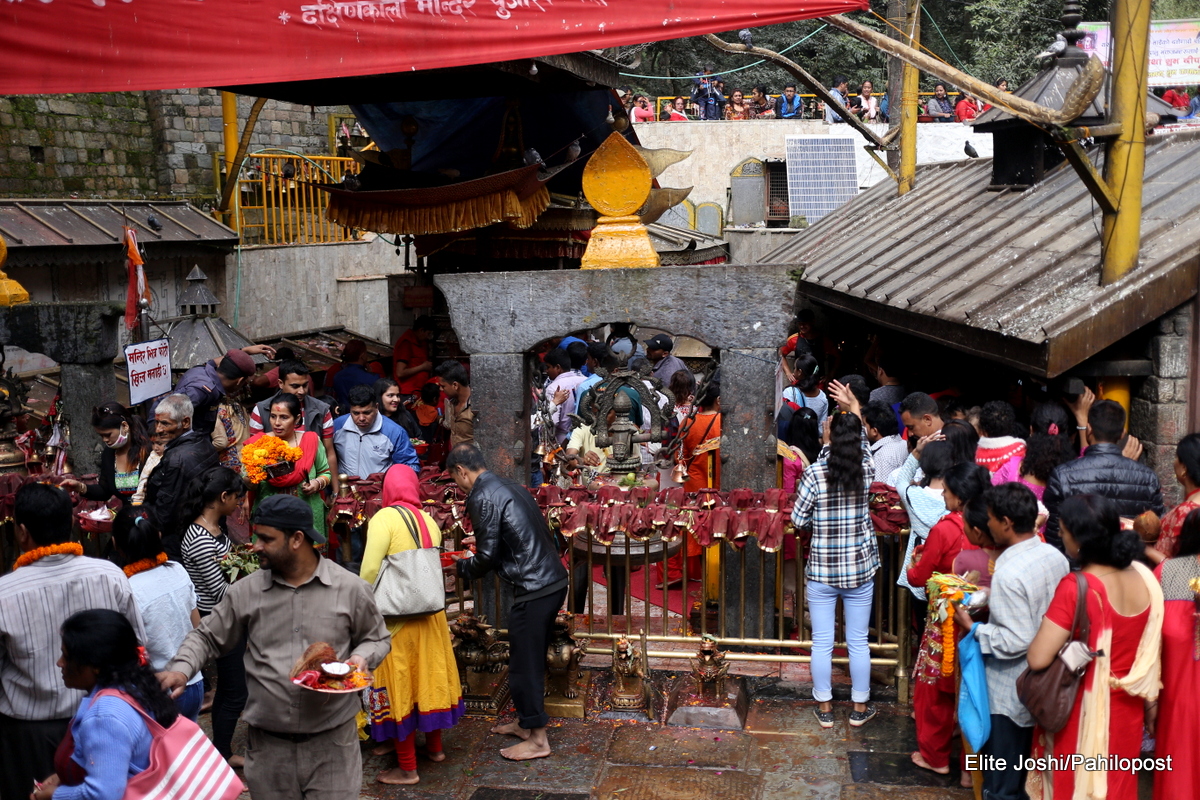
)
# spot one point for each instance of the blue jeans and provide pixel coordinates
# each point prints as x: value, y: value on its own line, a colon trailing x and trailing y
x: 856, y: 607
x: 190, y: 701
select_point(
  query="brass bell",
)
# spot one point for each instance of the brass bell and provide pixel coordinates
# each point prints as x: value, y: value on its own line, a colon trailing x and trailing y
x: 679, y: 473
x: 540, y: 450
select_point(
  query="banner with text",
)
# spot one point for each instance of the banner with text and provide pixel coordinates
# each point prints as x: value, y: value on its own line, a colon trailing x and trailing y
x: 62, y: 46
x: 149, y: 367
x: 1174, y: 49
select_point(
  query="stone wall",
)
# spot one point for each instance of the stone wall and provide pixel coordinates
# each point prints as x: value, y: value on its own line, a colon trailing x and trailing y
x: 718, y: 147
x: 1159, y: 412
x: 76, y: 145
x: 136, y: 144
x: 298, y: 287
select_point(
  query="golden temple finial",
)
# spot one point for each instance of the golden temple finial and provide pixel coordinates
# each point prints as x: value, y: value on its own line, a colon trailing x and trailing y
x: 617, y: 181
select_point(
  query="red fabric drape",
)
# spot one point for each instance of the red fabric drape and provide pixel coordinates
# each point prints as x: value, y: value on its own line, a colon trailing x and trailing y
x: 63, y: 46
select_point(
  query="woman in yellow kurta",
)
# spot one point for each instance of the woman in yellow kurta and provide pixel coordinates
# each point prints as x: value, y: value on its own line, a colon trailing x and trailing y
x: 416, y: 687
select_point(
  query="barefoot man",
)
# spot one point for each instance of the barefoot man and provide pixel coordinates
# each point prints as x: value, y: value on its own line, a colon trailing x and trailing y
x: 512, y: 538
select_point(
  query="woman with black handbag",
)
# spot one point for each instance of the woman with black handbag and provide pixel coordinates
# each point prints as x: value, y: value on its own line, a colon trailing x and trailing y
x: 416, y: 687
x: 1124, y: 613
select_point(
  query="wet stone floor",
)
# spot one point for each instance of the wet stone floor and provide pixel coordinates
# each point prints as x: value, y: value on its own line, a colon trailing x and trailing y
x: 782, y: 754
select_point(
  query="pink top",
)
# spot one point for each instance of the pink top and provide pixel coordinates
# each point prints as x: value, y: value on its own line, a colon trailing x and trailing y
x: 1011, y: 473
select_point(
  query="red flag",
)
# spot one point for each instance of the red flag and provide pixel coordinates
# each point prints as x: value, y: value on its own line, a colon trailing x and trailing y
x: 137, y: 280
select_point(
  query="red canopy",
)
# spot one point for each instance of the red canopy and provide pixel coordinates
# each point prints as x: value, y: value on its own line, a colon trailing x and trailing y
x: 63, y: 46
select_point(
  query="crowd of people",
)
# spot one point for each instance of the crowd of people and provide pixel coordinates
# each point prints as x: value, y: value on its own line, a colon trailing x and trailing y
x: 176, y: 593
x: 710, y: 99
x: 1043, y: 507
x: 1036, y: 508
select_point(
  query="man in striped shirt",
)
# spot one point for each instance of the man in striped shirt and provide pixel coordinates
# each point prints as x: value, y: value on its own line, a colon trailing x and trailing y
x: 51, y: 582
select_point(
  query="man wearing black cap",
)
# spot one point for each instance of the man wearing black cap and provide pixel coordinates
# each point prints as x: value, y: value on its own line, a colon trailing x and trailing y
x: 206, y: 384
x: 658, y: 350
x: 300, y: 743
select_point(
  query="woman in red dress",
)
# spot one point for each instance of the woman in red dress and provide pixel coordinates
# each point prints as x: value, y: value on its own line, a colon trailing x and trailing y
x: 1178, y: 735
x: 933, y: 692
x: 1125, y: 611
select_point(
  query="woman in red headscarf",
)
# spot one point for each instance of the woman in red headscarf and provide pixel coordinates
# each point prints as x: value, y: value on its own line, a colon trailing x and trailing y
x: 416, y: 687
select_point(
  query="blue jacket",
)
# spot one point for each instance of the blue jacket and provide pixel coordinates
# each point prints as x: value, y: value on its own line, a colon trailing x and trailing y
x: 203, y: 387
x: 363, y: 453
x: 349, y: 376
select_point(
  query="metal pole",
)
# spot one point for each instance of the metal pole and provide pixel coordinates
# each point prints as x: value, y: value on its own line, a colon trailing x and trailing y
x: 229, y: 129
x: 1125, y: 162
x: 909, y: 84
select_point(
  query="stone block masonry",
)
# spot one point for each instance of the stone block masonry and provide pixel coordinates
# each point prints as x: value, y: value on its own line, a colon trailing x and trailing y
x: 1159, y: 412
x: 136, y: 144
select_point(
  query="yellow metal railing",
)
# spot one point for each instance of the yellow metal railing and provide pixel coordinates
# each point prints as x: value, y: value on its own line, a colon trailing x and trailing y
x: 277, y: 203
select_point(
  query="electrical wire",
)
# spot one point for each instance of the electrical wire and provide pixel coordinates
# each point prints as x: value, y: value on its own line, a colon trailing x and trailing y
x: 824, y: 25
x: 938, y: 28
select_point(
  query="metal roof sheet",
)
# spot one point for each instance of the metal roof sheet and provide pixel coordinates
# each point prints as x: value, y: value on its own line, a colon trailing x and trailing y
x: 1011, y: 276
x: 93, y: 223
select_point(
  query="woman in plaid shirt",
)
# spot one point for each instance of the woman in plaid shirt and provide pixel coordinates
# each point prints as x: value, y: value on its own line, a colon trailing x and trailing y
x: 831, y: 503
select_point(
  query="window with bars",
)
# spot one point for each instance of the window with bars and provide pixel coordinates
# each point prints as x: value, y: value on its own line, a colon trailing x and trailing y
x: 776, y: 186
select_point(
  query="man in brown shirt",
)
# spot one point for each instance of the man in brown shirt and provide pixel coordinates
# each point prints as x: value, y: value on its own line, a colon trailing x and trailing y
x: 459, y: 418
x: 301, y: 743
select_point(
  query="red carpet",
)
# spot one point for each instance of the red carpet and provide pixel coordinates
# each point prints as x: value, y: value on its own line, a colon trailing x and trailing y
x: 637, y: 588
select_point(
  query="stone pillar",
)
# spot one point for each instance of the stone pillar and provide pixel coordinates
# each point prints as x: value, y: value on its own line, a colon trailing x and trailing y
x: 85, y: 386
x: 1159, y: 410
x: 82, y: 338
x: 500, y: 399
x: 747, y: 421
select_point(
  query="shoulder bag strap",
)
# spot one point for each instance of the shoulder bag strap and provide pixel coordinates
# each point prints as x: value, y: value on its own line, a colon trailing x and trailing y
x: 156, y: 730
x: 415, y: 524
x: 1085, y: 623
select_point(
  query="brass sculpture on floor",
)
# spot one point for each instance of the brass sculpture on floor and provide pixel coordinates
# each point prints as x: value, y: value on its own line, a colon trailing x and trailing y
x: 566, y: 683
x: 482, y: 664
x: 709, y: 697
x: 631, y: 690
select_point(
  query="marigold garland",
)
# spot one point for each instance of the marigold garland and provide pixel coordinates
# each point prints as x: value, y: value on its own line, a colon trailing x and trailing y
x: 144, y: 564
x: 944, y: 591
x: 64, y: 549
x: 268, y: 450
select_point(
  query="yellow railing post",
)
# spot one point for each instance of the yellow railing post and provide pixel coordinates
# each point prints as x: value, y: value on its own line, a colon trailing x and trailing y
x: 229, y: 129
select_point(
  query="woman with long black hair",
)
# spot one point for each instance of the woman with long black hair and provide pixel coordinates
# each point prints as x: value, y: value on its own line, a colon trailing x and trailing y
x: 831, y: 503
x: 391, y: 405
x: 165, y: 597
x: 108, y: 741
x: 126, y: 448
x: 210, y: 497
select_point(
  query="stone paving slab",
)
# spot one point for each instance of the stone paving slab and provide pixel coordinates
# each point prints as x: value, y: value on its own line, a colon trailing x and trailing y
x: 666, y: 783
x: 488, y: 793
x: 894, y: 769
x: 792, y: 757
x: 668, y: 746
x: 579, y: 750
x: 891, y: 731
x: 795, y: 718
x: 871, y: 791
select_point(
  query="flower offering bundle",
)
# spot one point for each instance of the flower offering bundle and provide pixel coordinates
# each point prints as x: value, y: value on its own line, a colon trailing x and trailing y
x: 946, y: 590
x: 258, y: 456
x: 239, y: 562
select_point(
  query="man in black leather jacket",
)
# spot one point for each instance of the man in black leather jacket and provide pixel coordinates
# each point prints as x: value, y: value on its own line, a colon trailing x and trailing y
x: 1104, y: 471
x: 186, y: 454
x: 512, y: 538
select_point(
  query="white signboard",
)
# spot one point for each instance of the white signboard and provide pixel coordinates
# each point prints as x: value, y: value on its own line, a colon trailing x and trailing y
x: 1174, y: 50
x: 149, y: 368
